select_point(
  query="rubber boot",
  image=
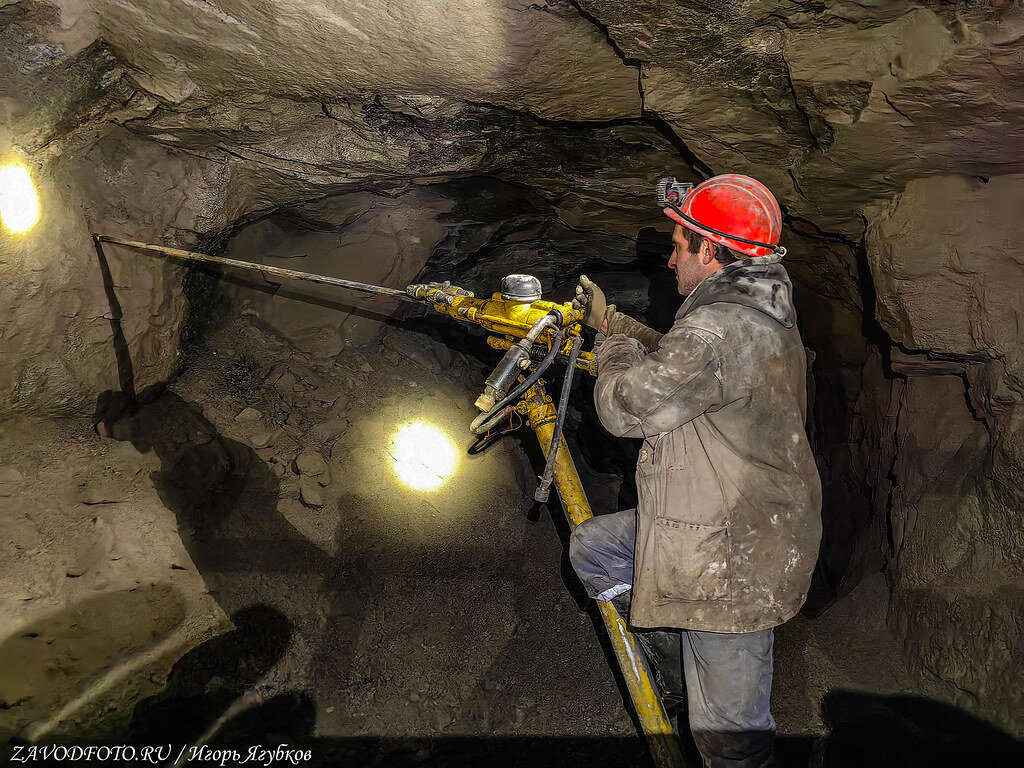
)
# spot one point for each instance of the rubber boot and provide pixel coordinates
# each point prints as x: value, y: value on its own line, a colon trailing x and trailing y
x: 664, y: 656
x: 621, y: 603
x: 746, y: 749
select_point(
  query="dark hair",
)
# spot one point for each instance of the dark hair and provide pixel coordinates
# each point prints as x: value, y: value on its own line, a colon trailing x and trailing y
x: 722, y: 254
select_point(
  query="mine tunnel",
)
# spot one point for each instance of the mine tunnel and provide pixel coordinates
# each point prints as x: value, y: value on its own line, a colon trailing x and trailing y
x: 244, y: 517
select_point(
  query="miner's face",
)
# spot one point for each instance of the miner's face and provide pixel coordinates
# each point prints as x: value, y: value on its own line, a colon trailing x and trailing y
x: 689, y: 267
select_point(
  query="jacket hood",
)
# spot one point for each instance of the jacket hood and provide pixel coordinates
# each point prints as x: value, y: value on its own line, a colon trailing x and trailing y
x: 760, y: 282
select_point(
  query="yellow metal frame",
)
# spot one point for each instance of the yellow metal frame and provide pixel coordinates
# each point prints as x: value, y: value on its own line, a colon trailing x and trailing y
x: 657, y: 728
x: 512, y: 319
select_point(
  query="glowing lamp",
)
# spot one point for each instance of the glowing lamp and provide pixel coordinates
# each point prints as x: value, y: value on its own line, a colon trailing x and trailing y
x: 423, y: 457
x: 19, y: 203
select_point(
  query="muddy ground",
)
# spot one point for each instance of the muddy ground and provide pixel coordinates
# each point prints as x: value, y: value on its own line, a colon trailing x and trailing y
x: 232, y: 560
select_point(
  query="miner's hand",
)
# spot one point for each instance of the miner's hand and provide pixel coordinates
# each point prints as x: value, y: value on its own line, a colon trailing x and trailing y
x: 591, y: 297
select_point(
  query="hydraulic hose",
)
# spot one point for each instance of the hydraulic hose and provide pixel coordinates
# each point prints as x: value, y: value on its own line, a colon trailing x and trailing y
x: 563, y: 403
x: 512, y: 365
x: 477, y: 427
x: 548, y: 321
x: 515, y: 394
x: 502, y: 415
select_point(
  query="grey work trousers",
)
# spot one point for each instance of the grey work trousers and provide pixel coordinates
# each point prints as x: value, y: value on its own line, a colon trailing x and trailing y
x: 728, y: 676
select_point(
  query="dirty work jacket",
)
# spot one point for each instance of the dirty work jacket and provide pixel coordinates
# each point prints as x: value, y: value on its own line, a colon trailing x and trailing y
x: 729, y: 495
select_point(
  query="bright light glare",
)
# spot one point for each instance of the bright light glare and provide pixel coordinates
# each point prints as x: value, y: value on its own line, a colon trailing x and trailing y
x: 424, y: 458
x: 19, y: 203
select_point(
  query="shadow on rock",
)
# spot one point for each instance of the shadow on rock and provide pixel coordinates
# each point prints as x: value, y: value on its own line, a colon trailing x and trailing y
x: 224, y: 496
x: 275, y: 583
x: 910, y: 732
x: 208, y: 679
x: 287, y: 718
x: 44, y: 663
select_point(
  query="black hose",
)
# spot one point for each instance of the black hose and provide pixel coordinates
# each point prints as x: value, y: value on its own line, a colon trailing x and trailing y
x: 556, y: 344
x: 483, y: 442
x: 515, y: 394
x: 563, y: 403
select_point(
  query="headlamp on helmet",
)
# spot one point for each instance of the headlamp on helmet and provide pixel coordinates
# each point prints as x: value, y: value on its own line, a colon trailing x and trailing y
x: 670, y: 192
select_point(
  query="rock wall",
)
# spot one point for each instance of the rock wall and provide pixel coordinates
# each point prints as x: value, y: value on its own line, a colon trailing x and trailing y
x: 66, y: 305
x: 946, y: 261
x: 887, y: 130
x: 956, y: 602
x: 171, y: 124
x: 52, y: 308
x: 834, y: 105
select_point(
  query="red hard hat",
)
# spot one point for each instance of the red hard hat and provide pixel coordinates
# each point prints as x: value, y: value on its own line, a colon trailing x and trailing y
x: 732, y: 210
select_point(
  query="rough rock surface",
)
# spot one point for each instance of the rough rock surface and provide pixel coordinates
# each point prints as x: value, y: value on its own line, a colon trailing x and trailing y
x: 381, y: 621
x: 946, y: 260
x: 386, y: 612
x: 509, y: 136
x: 955, y: 562
x: 61, y: 295
x: 99, y: 596
x: 510, y: 54
x: 834, y: 105
x: 362, y: 237
x: 133, y: 128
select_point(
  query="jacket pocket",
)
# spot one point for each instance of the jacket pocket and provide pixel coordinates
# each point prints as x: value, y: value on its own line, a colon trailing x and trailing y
x: 691, y: 560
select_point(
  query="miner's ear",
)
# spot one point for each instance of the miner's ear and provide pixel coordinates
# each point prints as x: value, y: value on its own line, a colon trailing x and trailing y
x: 707, y: 251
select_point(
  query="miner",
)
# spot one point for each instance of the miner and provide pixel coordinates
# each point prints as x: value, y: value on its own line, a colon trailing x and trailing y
x: 721, y: 546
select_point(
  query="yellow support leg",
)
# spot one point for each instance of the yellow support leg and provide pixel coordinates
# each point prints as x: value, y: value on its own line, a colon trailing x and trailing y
x: 656, y: 726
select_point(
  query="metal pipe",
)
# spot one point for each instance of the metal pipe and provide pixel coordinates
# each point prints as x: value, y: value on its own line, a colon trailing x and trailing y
x: 548, y: 321
x: 657, y: 728
x: 285, y: 274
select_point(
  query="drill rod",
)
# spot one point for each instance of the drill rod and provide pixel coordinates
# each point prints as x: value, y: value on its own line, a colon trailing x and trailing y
x: 285, y: 274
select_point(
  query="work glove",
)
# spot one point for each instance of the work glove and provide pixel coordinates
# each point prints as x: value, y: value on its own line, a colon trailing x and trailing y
x: 591, y: 298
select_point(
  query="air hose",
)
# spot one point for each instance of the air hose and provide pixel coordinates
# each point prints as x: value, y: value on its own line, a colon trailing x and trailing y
x: 501, y: 415
x: 563, y: 403
x: 479, y: 425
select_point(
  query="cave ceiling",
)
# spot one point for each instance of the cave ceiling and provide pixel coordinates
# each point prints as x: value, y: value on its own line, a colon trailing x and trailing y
x: 836, y: 105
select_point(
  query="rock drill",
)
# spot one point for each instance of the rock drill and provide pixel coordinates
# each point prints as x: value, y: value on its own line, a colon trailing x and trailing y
x: 534, y: 333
